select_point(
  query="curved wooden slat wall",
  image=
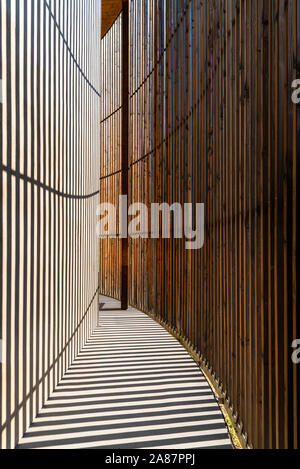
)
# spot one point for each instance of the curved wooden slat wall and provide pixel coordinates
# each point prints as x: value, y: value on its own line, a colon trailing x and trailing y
x: 49, y: 190
x: 212, y: 121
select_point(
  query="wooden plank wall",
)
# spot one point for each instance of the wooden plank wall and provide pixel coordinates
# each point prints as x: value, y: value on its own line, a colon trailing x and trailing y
x: 212, y: 121
x: 49, y: 190
x: 110, y: 9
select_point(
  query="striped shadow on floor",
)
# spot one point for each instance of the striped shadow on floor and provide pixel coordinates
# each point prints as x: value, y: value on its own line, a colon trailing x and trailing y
x: 132, y: 386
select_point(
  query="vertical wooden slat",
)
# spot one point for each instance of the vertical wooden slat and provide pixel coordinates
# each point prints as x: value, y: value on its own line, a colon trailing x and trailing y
x: 125, y: 143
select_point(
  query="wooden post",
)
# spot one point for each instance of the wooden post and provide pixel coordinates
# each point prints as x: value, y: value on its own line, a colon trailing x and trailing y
x: 125, y: 145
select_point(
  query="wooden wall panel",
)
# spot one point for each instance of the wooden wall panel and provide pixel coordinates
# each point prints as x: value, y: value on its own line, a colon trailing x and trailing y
x: 212, y: 121
x: 49, y: 189
x: 110, y: 11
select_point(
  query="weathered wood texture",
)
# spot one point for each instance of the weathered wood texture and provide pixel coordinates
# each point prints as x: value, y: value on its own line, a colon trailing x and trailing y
x: 212, y: 121
x: 49, y: 190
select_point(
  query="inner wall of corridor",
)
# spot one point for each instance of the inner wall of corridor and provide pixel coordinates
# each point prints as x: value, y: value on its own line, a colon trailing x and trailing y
x: 212, y: 121
x: 49, y: 186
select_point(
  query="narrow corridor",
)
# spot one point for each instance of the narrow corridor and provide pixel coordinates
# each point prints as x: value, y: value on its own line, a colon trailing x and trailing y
x: 132, y: 386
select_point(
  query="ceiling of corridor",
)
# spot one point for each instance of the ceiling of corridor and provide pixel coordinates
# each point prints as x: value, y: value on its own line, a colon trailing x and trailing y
x: 110, y: 11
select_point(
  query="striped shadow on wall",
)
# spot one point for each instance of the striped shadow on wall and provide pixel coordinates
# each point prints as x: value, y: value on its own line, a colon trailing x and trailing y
x: 49, y: 178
